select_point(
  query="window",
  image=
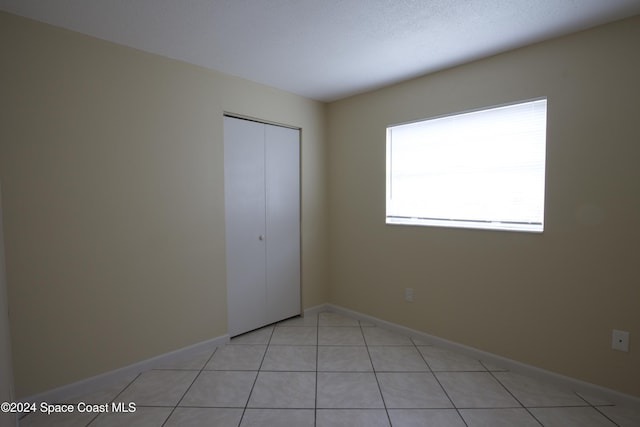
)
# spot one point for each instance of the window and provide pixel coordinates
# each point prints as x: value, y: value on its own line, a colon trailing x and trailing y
x: 478, y: 169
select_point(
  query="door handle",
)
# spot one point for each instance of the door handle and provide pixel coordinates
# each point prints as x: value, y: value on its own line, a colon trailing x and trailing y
x: 261, y: 237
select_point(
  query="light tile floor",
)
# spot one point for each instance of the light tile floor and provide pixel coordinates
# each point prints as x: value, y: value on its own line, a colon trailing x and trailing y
x: 330, y: 370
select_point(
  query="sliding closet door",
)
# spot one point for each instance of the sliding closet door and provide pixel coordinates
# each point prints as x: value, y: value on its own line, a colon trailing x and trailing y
x: 282, y: 159
x: 262, y: 207
x: 245, y: 202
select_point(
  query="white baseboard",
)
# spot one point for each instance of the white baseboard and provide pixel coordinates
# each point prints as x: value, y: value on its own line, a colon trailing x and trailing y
x: 317, y: 309
x: 92, y: 384
x: 98, y: 382
x: 579, y: 386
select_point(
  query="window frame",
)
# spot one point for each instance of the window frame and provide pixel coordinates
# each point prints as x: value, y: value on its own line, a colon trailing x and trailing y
x: 531, y: 227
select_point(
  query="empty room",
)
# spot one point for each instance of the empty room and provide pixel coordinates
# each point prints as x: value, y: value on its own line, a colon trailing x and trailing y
x: 363, y: 213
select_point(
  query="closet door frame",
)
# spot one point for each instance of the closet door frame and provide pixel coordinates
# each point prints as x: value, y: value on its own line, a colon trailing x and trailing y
x: 260, y: 289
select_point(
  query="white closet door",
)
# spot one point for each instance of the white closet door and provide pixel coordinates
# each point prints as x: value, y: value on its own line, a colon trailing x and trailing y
x: 262, y: 207
x: 245, y: 224
x: 283, y: 222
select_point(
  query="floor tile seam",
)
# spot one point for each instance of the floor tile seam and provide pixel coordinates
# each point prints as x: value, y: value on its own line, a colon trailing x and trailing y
x: 241, y: 407
x: 424, y: 408
x: 172, y: 369
x: 342, y: 345
x: 425, y: 361
x: 354, y: 408
x: 440, y: 384
x: 246, y: 344
x: 605, y: 415
x: 232, y: 407
x: 131, y: 382
x: 189, y: 388
x: 128, y: 385
x: 390, y: 345
x: 168, y: 416
x: 178, y: 369
x: 393, y: 345
x: 258, y: 341
x: 492, y: 370
x: 291, y: 408
x: 506, y: 388
x: 384, y: 403
x: 350, y: 409
x: 432, y: 408
x: 160, y: 406
x: 255, y: 380
x: 296, y: 326
x: 387, y: 371
x: 230, y: 370
x: 559, y: 406
x: 590, y: 404
x: 485, y: 369
x: 238, y: 346
x: 95, y: 418
x: 491, y: 407
x: 339, y: 326
x: 517, y: 400
x: 292, y: 345
x: 586, y: 402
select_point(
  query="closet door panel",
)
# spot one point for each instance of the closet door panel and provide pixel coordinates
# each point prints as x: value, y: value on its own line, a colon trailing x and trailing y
x: 283, y: 222
x: 244, y: 154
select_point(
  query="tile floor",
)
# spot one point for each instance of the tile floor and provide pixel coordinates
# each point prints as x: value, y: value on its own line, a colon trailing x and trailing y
x: 330, y: 370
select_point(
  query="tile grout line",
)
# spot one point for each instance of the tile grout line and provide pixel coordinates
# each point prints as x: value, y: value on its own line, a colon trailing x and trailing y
x: 116, y: 396
x: 22, y: 416
x: 604, y: 415
x: 512, y: 395
x: 596, y: 408
x: 92, y: 420
x: 244, y: 410
x: 189, y: 388
x: 375, y: 375
x: 439, y: 383
x: 527, y: 408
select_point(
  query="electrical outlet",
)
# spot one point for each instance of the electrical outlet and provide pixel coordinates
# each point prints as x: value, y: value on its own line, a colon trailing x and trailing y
x: 620, y: 340
x: 408, y: 294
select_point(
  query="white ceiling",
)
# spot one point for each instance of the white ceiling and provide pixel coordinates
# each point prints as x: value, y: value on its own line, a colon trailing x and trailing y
x: 325, y: 49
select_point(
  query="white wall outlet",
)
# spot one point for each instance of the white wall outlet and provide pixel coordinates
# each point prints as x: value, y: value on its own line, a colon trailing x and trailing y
x: 408, y: 294
x: 620, y: 340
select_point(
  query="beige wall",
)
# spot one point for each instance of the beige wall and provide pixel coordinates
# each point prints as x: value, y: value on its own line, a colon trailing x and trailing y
x: 549, y: 300
x: 111, y: 164
x: 112, y: 172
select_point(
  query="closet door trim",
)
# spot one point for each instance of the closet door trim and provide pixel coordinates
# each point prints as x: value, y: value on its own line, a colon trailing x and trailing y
x: 254, y: 301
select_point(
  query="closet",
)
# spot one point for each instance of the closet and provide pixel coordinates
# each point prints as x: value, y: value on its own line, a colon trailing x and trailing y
x: 262, y: 209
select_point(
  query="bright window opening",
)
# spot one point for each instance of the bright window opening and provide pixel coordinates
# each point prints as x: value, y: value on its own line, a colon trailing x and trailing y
x: 479, y: 169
